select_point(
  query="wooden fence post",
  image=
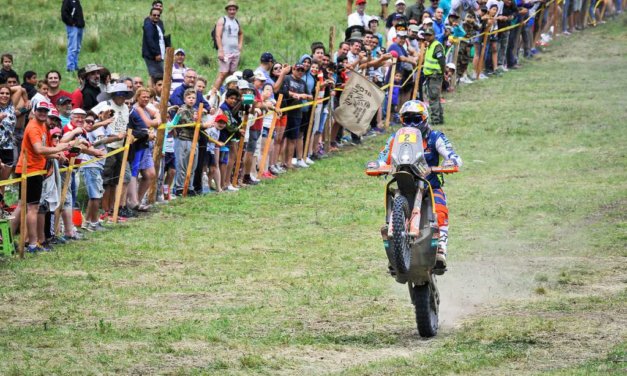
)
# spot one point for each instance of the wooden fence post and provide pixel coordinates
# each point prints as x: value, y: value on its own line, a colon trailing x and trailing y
x: 66, y: 185
x: 483, y: 49
x: 329, y: 122
x: 24, y: 205
x: 266, y: 146
x: 120, y: 186
x: 421, y: 59
x: 240, y: 152
x: 388, y: 113
x: 192, y: 153
x: 311, y: 120
x: 163, y: 110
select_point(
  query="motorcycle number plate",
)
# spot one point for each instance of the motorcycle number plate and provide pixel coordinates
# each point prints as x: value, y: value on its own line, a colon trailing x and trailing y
x: 409, y: 138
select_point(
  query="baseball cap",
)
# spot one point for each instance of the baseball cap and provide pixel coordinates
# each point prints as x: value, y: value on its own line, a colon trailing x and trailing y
x: 428, y: 31
x: 374, y: 18
x: 299, y: 67
x: 266, y: 57
x: 230, y: 79
x: 238, y: 74
x: 398, y: 16
x: 78, y: 111
x: 451, y: 66
x: 63, y: 100
x: 414, y: 28
x: 43, y: 105
x: 248, y: 74
x: 55, y: 130
x: 54, y: 113
x: 427, y: 21
x: 222, y: 118
x: 399, y: 2
x: 242, y: 84
x: 179, y: 51
x: 260, y: 76
x: 359, y: 2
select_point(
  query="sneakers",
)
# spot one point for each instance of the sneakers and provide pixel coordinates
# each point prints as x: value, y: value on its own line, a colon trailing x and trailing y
x: 301, y: 164
x: 294, y: 161
x: 249, y: 180
x: 94, y: 227
x: 502, y: 68
x: 309, y: 161
x: 268, y: 175
x: 274, y: 170
x: 465, y: 80
x: 440, y: 262
x: 231, y: 188
x: 483, y: 76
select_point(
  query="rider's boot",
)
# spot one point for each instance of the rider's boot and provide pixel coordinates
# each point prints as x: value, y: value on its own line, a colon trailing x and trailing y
x: 440, y: 262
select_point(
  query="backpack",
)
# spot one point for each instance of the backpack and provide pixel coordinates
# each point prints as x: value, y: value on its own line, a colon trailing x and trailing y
x: 213, y: 32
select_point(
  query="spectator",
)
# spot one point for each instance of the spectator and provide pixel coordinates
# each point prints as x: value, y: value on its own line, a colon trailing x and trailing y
x: 433, y: 69
x: 72, y: 16
x: 266, y: 61
x: 35, y: 144
x: 432, y: 8
x: 438, y: 25
x: 158, y: 4
x: 189, y: 82
x: 138, y: 82
x: 154, y: 43
x: 28, y: 83
x: 64, y: 106
x: 91, y: 87
x: 400, y: 10
x: 230, y: 40
x: 360, y: 17
x: 7, y: 68
x: 7, y: 140
x: 53, y: 78
x: 294, y: 92
x: 254, y: 132
x: 178, y: 69
x: 42, y: 94
x: 415, y: 11
x: 98, y: 136
x: 142, y: 120
x: 113, y: 100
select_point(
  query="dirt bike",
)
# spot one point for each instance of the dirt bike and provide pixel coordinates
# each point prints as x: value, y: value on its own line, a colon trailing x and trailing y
x: 410, y: 236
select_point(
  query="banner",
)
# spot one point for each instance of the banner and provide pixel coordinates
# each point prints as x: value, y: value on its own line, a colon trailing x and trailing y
x: 359, y: 102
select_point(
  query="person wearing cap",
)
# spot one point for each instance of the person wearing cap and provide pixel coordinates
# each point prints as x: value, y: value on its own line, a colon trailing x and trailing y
x: 64, y: 105
x: 91, y: 88
x: 359, y: 17
x: 433, y: 70
x: 397, y: 21
x: 230, y: 41
x: 72, y: 17
x: 114, y: 111
x: 178, y: 69
x: 254, y: 131
x: 400, y: 10
x: 266, y: 61
x: 154, y: 42
x: 36, y: 147
x: 294, y: 91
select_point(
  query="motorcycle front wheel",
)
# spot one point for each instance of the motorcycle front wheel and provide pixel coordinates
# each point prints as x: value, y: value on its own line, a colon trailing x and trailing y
x: 426, y: 308
x: 400, y: 234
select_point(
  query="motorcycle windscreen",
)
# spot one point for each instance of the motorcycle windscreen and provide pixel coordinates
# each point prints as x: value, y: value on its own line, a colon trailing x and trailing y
x: 407, y: 149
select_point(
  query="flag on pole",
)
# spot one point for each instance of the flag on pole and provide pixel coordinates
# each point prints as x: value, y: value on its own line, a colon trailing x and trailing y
x: 359, y: 102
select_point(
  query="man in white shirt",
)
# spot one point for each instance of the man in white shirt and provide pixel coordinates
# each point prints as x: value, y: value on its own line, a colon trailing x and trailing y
x: 359, y: 17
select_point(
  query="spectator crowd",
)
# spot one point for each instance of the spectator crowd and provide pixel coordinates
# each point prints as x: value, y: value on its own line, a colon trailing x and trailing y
x: 433, y: 48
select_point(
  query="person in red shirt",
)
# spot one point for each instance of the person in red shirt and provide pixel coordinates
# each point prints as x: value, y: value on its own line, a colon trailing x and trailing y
x: 35, y: 145
x: 53, y: 78
x: 254, y: 131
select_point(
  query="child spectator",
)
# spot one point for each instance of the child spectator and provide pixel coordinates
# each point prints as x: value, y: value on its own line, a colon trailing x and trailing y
x: 213, y: 151
x: 42, y: 94
x: 183, y: 142
x: 231, y: 133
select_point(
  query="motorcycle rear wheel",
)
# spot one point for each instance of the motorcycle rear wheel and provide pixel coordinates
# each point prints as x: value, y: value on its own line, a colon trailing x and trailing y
x: 400, y: 234
x: 425, y: 305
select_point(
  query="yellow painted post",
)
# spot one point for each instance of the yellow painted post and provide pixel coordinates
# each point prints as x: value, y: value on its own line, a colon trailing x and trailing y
x: 266, y: 146
x: 390, y: 92
x: 192, y: 153
x: 120, y: 186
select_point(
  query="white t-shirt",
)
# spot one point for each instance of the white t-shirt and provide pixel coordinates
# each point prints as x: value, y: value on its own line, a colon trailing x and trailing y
x: 120, y: 123
x: 358, y: 19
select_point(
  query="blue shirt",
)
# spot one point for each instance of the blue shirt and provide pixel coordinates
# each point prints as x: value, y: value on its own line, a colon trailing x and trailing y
x: 178, y: 97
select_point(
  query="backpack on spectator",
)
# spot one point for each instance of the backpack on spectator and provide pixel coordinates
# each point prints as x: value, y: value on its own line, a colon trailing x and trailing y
x: 213, y: 32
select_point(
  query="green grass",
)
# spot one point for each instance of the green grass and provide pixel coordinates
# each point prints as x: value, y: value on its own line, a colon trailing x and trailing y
x: 289, y: 277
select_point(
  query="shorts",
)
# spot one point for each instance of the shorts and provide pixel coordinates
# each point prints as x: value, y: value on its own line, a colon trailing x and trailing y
x: 142, y: 161
x: 229, y: 64
x: 493, y: 38
x: 253, y: 137
x: 211, y: 159
x: 93, y: 182
x: 264, y: 133
x: 577, y: 5
x: 34, y: 185
x: 7, y: 157
x: 112, y: 167
x: 169, y: 161
x: 224, y: 157
x: 282, y: 121
x: 44, y: 207
x: 292, y: 128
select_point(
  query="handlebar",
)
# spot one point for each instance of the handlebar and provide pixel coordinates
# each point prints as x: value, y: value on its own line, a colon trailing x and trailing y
x: 387, y: 169
x: 445, y: 170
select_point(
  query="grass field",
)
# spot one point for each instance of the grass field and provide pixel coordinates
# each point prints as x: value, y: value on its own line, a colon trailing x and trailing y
x: 290, y: 277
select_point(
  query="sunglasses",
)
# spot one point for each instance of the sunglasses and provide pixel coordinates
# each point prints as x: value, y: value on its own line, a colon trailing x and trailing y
x: 413, y: 118
x: 89, y: 121
x: 56, y: 137
x: 278, y: 67
x: 156, y: 15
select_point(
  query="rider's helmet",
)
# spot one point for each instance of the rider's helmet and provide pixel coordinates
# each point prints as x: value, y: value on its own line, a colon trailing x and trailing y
x: 415, y: 114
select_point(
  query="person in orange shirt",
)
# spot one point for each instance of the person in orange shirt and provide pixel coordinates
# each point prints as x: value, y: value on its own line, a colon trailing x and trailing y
x: 35, y: 145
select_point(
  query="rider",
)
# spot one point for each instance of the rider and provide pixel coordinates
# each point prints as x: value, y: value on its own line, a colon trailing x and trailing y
x: 416, y: 114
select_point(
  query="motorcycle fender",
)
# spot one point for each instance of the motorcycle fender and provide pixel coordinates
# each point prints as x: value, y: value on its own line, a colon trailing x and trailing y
x: 406, y: 183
